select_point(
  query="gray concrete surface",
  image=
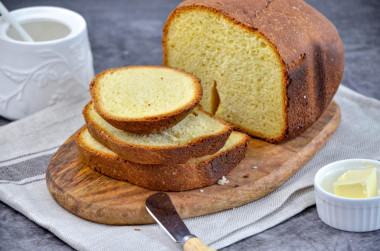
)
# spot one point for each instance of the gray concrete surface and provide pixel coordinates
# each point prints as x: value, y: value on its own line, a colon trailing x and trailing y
x: 129, y: 32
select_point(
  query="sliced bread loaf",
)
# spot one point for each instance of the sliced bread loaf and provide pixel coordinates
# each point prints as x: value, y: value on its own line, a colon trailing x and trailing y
x: 197, y: 135
x: 195, y: 173
x: 145, y: 99
x: 269, y: 67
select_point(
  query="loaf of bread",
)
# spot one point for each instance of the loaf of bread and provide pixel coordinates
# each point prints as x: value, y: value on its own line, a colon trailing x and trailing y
x: 196, y: 173
x: 268, y: 67
x: 145, y: 99
x: 196, y: 135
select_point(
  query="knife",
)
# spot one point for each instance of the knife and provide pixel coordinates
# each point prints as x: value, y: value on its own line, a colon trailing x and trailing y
x: 161, y: 208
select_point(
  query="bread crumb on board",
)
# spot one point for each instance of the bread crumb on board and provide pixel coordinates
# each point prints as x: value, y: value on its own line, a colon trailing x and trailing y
x: 137, y: 229
x: 223, y: 181
x: 254, y: 167
x: 201, y: 190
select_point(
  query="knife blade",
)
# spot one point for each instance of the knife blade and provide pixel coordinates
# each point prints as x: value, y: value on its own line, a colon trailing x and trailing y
x: 161, y: 208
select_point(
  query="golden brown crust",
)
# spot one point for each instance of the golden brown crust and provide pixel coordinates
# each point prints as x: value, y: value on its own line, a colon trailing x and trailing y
x: 153, y: 124
x: 208, y: 144
x: 175, y: 177
x: 307, y: 43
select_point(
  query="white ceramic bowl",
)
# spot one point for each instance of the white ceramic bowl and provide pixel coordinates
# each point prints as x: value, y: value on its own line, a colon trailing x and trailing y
x: 56, y: 67
x: 356, y: 215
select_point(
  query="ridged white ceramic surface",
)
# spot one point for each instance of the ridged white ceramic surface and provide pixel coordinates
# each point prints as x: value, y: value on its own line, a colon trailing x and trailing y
x: 57, y: 67
x: 356, y: 215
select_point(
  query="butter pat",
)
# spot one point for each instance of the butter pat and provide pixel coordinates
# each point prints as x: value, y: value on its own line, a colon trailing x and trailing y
x: 361, y: 183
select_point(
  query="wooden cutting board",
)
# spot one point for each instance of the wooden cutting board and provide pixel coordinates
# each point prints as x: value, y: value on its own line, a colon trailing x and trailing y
x: 92, y: 196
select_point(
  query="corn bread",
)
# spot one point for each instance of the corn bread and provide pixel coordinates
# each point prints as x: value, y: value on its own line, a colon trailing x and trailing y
x: 268, y: 67
x: 195, y: 173
x: 196, y: 135
x: 145, y: 99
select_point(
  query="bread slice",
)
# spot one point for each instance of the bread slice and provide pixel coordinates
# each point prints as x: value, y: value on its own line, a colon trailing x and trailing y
x: 197, y: 135
x: 195, y: 173
x: 145, y: 99
x: 269, y: 67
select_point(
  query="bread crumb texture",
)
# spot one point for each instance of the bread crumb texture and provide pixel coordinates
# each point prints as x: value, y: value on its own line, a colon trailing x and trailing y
x: 196, y: 125
x: 240, y: 72
x: 86, y: 138
x: 223, y: 181
x: 234, y: 139
x: 140, y: 92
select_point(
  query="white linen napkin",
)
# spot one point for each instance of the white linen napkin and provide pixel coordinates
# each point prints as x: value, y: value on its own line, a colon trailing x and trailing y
x: 27, y: 145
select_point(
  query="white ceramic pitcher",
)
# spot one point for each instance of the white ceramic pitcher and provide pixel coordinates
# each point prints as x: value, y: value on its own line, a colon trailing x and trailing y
x: 58, y: 66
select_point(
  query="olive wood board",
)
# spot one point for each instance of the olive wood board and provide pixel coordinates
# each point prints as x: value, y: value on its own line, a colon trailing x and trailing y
x: 95, y: 197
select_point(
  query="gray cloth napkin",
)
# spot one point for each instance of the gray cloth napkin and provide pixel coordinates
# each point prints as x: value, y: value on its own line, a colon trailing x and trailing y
x: 27, y: 145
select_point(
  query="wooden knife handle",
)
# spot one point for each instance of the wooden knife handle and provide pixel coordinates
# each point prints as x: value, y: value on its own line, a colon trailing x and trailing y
x: 195, y: 244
